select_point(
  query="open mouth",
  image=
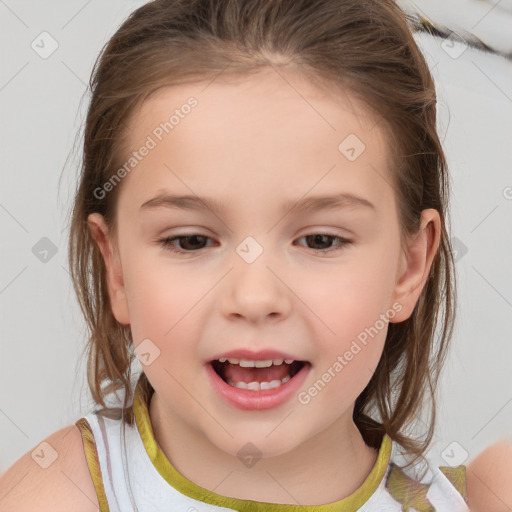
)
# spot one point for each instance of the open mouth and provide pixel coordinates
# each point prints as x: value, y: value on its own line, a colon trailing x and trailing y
x: 257, y: 375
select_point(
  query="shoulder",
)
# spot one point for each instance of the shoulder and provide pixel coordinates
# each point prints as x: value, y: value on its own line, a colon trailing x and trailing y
x: 488, y: 478
x: 52, y: 476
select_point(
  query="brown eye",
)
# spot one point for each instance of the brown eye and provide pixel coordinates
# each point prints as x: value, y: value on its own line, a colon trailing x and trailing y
x: 325, y: 240
x: 187, y: 243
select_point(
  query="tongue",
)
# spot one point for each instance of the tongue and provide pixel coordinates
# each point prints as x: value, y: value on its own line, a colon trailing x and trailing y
x: 236, y: 373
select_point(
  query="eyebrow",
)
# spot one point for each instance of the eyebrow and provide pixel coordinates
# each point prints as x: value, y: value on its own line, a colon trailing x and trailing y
x: 307, y: 204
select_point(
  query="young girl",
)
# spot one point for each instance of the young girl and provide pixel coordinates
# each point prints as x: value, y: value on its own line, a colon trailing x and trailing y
x: 261, y: 222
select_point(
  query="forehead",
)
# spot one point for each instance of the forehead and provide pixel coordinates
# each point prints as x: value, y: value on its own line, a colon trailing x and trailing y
x: 255, y: 138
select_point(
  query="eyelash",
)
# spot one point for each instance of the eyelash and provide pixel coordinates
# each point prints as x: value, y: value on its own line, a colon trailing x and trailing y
x: 167, y: 244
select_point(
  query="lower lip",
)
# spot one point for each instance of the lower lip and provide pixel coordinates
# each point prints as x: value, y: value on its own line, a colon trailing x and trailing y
x: 257, y: 400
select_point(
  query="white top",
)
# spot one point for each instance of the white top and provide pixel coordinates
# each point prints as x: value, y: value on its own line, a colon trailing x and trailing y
x: 137, y: 476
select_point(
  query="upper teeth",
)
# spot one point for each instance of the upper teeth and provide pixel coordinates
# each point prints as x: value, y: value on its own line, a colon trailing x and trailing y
x: 256, y: 364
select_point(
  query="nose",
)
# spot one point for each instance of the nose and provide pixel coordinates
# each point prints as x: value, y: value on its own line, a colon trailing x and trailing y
x: 256, y: 291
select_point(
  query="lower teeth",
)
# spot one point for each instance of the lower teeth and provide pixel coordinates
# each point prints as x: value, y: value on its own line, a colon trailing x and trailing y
x: 258, y: 386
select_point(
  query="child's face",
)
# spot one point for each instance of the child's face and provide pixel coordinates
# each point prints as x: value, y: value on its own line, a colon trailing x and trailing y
x: 259, y: 281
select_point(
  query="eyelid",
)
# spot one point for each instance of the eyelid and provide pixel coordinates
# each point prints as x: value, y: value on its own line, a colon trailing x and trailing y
x: 167, y: 242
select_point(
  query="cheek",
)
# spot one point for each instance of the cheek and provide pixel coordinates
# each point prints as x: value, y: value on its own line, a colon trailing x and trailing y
x: 160, y: 296
x: 351, y: 296
x: 352, y: 302
x: 352, y: 352
x: 164, y: 308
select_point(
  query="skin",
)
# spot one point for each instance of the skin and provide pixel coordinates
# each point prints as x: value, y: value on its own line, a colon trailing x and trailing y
x: 255, y: 144
x: 488, y: 478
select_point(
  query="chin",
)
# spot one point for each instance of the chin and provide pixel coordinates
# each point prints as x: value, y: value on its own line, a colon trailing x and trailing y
x: 255, y: 442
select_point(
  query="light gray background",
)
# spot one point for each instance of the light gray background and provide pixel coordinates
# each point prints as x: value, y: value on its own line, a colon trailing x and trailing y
x: 43, y: 385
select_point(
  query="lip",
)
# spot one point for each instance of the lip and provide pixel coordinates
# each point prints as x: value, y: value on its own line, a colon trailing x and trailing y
x: 248, y: 400
x: 261, y: 355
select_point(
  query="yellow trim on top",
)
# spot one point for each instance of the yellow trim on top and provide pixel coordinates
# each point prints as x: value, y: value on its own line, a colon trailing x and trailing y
x: 182, y: 484
x: 93, y: 462
x: 457, y: 477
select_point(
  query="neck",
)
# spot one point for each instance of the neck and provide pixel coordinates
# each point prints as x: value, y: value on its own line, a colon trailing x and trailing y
x: 338, y: 462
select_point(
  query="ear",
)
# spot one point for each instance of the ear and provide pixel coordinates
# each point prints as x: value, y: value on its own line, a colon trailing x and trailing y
x: 415, y: 263
x: 115, y: 283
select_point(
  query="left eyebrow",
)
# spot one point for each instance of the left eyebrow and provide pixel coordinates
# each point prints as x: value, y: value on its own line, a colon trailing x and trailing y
x: 307, y: 204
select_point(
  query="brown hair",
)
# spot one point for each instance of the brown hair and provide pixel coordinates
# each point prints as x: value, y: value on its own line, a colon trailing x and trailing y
x: 365, y: 47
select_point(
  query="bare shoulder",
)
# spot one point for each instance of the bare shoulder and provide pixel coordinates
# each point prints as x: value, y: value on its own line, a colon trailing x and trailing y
x: 488, y: 478
x: 52, y: 476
